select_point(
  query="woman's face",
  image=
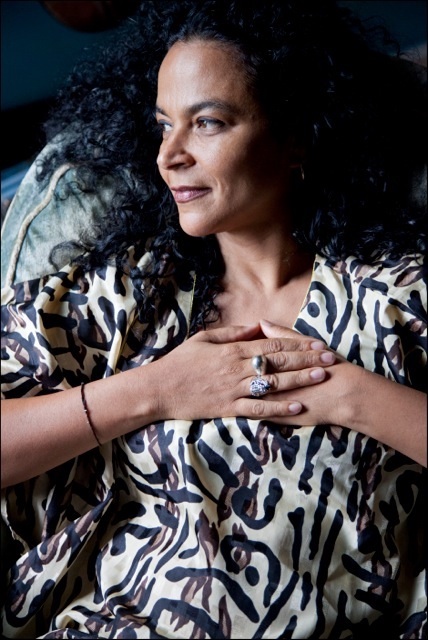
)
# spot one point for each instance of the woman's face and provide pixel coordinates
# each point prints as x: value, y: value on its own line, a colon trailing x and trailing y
x: 217, y: 155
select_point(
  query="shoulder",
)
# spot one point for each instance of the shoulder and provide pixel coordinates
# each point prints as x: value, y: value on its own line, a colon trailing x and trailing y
x: 391, y: 278
x: 105, y: 297
x: 108, y: 280
x: 372, y: 314
x: 390, y: 290
x: 63, y: 326
x: 75, y: 325
x: 71, y: 291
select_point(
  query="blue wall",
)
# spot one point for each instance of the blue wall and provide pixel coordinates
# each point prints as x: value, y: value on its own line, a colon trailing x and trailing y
x: 38, y: 51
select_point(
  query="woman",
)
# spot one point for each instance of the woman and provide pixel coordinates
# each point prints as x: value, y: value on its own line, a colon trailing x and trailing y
x: 272, y: 236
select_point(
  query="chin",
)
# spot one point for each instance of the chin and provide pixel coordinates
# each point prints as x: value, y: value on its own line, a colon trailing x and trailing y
x: 196, y: 233
x: 196, y: 226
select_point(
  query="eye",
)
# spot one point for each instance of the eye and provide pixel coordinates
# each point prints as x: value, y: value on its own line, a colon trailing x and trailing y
x: 163, y: 126
x: 209, y: 124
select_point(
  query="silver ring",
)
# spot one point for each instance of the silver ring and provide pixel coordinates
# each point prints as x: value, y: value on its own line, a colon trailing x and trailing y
x: 259, y: 365
x: 259, y: 387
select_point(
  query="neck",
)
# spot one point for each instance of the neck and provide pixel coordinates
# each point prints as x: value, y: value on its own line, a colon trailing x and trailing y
x: 267, y: 260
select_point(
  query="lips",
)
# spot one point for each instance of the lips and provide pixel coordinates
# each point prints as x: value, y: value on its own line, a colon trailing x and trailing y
x: 186, y: 194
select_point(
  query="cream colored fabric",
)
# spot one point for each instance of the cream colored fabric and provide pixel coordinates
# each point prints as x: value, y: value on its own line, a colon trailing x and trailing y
x: 224, y: 527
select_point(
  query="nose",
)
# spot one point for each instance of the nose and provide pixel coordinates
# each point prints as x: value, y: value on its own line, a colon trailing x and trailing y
x: 174, y: 152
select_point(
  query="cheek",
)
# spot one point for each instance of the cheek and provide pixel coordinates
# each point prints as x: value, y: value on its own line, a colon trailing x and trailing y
x: 253, y: 170
x: 232, y: 163
x: 257, y: 156
x: 216, y: 158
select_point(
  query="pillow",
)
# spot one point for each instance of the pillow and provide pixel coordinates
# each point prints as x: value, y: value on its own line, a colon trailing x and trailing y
x: 40, y: 217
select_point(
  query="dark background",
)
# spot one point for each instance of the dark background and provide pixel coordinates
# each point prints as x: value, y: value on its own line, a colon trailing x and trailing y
x: 39, y: 48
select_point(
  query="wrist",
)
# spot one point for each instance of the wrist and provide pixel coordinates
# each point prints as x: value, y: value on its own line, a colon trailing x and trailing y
x: 150, y: 393
x: 122, y: 403
x: 350, y: 397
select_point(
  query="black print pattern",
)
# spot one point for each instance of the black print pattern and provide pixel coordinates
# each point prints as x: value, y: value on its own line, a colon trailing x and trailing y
x: 222, y: 528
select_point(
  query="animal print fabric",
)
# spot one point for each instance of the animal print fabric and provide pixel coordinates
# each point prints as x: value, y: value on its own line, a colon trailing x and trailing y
x: 221, y: 528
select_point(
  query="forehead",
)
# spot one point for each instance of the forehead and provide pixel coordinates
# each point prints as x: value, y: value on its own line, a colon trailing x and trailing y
x: 203, y: 69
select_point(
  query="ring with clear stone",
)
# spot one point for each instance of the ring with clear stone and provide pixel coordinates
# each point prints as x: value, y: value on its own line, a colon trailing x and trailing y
x: 259, y: 386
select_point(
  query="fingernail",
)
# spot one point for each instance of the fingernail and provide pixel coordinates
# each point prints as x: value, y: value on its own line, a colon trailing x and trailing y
x: 269, y: 324
x: 294, y: 407
x: 317, y: 374
x: 317, y: 345
x: 327, y: 357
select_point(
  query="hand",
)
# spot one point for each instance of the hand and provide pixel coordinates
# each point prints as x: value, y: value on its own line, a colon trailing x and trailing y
x: 362, y: 400
x: 209, y: 375
x: 330, y: 403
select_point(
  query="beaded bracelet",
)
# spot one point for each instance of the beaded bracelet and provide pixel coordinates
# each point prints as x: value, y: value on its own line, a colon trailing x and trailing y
x: 86, y: 410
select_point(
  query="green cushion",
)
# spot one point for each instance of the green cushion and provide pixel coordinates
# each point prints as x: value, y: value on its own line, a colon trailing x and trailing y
x: 39, y: 218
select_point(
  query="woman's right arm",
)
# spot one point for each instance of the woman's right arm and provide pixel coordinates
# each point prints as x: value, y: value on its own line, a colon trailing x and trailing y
x: 207, y: 376
x: 41, y: 432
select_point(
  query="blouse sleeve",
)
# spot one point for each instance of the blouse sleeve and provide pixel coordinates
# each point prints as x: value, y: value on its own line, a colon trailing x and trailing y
x: 373, y: 315
x: 63, y: 329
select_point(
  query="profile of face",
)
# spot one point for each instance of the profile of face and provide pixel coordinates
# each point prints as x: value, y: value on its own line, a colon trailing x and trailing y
x: 218, y: 154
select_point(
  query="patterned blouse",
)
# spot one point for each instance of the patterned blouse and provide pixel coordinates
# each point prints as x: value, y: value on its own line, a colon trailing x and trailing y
x: 221, y: 528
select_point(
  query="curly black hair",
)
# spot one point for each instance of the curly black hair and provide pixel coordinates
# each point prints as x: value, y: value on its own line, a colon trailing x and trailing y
x: 338, y: 86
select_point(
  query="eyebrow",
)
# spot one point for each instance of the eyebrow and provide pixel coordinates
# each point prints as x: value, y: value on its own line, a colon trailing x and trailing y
x: 205, y: 104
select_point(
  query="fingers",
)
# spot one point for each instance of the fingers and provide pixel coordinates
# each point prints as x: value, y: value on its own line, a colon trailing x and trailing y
x: 286, y: 381
x: 272, y: 330
x: 242, y: 340
x: 288, y: 342
x: 294, y: 379
x: 294, y: 360
x: 228, y: 334
x: 293, y: 353
x: 258, y: 409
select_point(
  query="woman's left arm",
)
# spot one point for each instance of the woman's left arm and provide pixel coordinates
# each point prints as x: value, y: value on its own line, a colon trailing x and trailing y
x: 366, y: 402
x: 385, y: 410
